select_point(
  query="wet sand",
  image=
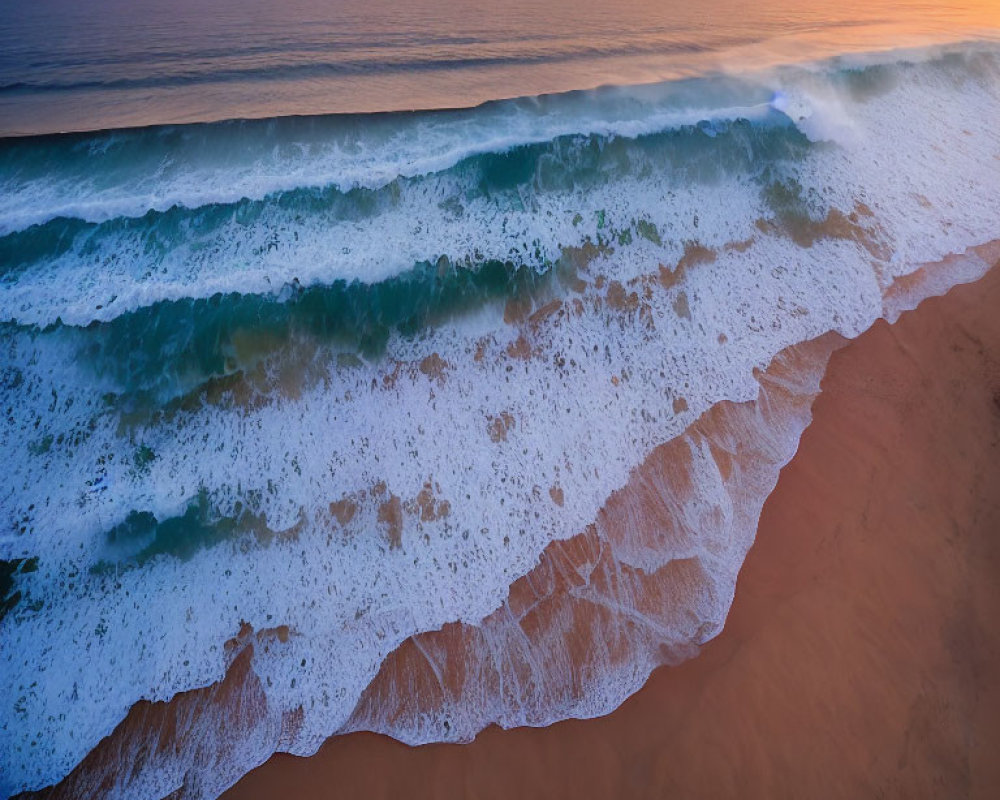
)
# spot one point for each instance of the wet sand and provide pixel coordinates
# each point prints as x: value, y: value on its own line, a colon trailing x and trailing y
x: 861, y: 657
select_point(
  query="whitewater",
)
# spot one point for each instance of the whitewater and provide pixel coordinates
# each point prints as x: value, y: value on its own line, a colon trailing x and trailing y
x: 353, y: 379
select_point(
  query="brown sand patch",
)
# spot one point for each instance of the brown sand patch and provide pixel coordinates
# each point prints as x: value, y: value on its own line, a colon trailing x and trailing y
x: 481, y: 346
x: 281, y: 633
x: 240, y: 640
x: 681, y: 307
x: 620, y: 300
x: 551, y: 308
x: 680, y: 405
x: 390, y: 379
x: 343, y: 510
x: 427, y: 506
x: 668, y: 277
x: 740, y: 247
x: 246, y: 389
x: 575, y: 260
x: 260, y: 367
x: 520, y: 348
x: 498, y: 426
x: 805, y: 231
x: 556, y: 493
x: 292, y: 533
x: 390, y: 513
x: 262, y: 534
x: 391, y: 509
x: 695, y: 253
x: 433, y: 366
x: 517, y: 309
x: 246, y: 637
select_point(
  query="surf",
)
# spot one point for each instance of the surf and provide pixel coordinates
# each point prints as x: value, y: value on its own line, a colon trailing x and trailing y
x: 387, y: 393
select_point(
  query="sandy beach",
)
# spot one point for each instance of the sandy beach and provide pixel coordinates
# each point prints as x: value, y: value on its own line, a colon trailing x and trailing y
x: 860, y: 658
x: 560, y: 401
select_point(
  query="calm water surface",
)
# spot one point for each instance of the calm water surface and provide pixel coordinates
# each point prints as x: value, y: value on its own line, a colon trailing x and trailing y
x: 86, y: 65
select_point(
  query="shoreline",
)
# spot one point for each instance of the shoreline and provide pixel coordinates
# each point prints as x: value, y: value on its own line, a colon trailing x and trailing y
x: 873, y: 426
x: 858, y: 655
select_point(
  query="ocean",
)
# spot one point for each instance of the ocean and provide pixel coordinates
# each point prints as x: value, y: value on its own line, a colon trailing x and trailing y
x: 71, y: 66
x: 325, y: 326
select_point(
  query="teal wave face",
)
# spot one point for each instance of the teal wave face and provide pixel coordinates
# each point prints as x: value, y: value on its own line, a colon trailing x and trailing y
x: 159, y: 352
x: 172, y: 347
x: 107, y: 174
x: 141, y: 537
x: 517, y: 207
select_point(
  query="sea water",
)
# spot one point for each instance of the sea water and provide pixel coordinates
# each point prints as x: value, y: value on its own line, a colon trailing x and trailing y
x: 352, y: 375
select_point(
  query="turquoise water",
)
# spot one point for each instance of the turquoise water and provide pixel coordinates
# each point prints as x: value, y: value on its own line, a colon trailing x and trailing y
x: 144, y: 350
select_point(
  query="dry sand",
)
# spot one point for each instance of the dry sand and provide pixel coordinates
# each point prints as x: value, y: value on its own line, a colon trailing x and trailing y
x: 862, y: 654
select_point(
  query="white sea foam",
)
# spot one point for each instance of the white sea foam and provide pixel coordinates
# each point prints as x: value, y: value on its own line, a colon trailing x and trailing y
x: 127, y: 173
x: 923, y: 155
x: 152, y: 170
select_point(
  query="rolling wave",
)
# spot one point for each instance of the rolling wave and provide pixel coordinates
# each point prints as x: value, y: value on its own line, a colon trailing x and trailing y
x: 158, y: 168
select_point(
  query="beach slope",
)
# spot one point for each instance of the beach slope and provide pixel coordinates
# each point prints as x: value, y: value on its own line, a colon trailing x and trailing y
x: 861, y: 657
